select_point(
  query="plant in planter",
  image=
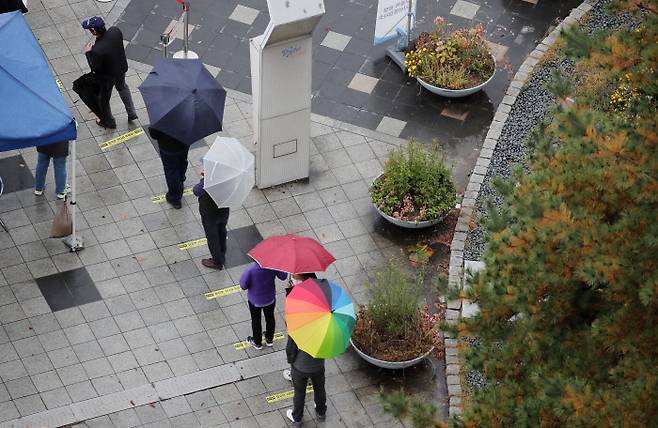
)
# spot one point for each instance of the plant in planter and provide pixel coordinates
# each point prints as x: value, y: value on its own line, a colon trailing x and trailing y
x: 415, y: 186
x: 395, y: 326
x: 456, y: 61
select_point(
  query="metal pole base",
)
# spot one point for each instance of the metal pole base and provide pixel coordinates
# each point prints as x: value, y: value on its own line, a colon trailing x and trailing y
x: 74, y: 246
x: 397, y: 57
x: 186, y: 55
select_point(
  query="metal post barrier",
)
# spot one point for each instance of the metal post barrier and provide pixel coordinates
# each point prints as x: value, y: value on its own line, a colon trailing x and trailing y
x: 165, y: 37
x: 186, y: 52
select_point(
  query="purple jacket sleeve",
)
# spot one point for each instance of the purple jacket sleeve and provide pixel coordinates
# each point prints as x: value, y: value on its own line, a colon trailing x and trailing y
x: 198, y: 189
x: 245, y: 279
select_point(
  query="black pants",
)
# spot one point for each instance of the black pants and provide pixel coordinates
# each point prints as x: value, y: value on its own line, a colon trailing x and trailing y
x: 175, y: 167
x: 214, y: 222
x: 257, y: 327
x: 119, y: 83
x: 299, y: 381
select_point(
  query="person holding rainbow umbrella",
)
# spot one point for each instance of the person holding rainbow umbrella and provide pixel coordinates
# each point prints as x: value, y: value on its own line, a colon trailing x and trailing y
x: 320, y: 318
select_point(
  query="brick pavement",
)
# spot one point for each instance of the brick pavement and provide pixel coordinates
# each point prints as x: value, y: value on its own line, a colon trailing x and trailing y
x: 149, y: 349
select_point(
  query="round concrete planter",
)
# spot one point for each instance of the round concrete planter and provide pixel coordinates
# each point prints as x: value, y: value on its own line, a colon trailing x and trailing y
x: 456, y: 93
x: 391, y: 365
x: 409, y: 224
x: 406, y: 223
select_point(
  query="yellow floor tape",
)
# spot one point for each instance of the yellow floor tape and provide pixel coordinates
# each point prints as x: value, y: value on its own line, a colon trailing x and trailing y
x: 122, y: 138
x: 192, y: 244
x: 161, y: 198
x: 244, y: 344
x: 284, y: 395
x: 223, y: 292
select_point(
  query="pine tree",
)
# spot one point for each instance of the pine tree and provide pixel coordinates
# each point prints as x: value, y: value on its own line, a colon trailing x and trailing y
x: 569, y: 299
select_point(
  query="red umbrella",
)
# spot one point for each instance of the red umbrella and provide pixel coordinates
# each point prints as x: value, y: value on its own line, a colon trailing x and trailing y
x: 292, y: 254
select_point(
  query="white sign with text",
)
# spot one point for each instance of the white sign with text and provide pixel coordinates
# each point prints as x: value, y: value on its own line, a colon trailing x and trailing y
x: 392, y: 15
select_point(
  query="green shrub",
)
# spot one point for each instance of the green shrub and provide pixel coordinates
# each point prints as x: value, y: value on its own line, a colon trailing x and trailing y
x: 395, y: 302
x: 416, y: 185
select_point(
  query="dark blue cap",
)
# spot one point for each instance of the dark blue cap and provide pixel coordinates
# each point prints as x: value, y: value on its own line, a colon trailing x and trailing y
x: 93, y: 22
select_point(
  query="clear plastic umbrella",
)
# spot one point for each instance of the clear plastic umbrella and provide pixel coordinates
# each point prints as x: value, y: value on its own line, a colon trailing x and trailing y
x: 228, y: 172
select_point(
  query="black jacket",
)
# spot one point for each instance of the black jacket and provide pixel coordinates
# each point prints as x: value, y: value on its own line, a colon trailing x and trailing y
x: 168, y: 144
x: 107, y: 56
x: 12, y: 5
x: 302, y: 361
x: 55, y: 150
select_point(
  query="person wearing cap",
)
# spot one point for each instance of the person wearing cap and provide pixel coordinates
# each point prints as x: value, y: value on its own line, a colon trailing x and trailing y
x: 107, y: 59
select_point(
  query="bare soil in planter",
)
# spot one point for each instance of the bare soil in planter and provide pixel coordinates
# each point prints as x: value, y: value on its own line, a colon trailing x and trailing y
x: 388, y: 348
x: 414, y: 344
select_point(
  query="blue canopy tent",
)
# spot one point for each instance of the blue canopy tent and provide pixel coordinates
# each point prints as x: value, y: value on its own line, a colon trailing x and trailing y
x: 32, y: 109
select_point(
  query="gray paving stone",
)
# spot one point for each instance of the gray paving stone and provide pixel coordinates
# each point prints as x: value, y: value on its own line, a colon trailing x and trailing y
x: 21, y: 387
x: 210, y: 416
x: 207, y: 359
x: 46, y: 381
x: 157, y: 372
x: 72, y: 374
x: 8, y: 411
x: 29, y: 405
x: 183, y: 365
x: 148, y: 355
x: 28, y: 347
x: 126, y: 418
x: 132, y: 378
x: 97, y: 368
x: 37, y: 364
x: 129, y: 321
x: 176, y: 406
x: 62, y: 357
x: 184, y: 421
x: 56, y: 398
x: 115, y: 344
x: 79, y: 334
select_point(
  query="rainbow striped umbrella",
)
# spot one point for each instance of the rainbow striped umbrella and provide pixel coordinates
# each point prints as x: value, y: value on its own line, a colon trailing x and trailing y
x: 320, y: 318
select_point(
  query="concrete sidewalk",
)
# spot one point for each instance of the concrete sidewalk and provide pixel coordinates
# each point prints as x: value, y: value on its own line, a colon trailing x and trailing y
x: 136, y: 342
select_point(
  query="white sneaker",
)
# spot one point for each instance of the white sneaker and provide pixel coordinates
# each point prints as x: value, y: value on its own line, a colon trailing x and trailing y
x: 287, y: 375
x: 62, y: 195
x: 38, y: 192
x: 294, y: 422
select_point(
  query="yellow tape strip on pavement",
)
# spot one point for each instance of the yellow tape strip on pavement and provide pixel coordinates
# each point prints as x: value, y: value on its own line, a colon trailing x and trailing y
x: 60, y: 85
x: 285, y: 395
x: 192, y: 244
x: 244, y: 344
x: 121, y: 138
x: 161, y: 198
x: 223, y: 292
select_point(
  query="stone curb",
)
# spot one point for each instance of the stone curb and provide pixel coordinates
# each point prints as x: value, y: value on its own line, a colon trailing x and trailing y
x: 456, y: 267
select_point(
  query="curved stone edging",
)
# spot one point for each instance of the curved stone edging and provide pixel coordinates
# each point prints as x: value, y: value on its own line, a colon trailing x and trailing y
x: 456, y: 267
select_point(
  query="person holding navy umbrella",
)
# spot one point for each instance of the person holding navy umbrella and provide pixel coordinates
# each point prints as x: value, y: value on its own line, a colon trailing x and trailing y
x: 185, y: 104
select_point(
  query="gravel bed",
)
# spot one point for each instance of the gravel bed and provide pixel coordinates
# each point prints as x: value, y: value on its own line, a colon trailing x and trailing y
x: 531, y: 107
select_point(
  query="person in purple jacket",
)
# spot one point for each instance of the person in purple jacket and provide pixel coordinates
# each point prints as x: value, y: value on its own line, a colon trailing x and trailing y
x: 261, y: 295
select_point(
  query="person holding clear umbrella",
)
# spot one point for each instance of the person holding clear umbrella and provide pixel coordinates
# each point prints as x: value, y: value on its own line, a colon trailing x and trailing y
x: 214, y: 221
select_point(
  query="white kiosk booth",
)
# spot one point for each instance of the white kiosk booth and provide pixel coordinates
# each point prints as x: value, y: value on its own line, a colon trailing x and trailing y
x: 281, y: 61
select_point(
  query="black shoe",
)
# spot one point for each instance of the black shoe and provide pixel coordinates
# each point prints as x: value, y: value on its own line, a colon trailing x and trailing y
x: 253, y: 343
x: 210, y: 263
x: 105, y: 125
x: 132, y: 118
x: 175, y: 204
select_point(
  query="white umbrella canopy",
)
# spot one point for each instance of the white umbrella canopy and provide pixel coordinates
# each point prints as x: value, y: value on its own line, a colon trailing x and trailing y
x: 228, y: 172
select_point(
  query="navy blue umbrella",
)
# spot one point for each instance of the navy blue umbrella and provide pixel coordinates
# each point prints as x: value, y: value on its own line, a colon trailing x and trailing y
x: 183, y: 100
